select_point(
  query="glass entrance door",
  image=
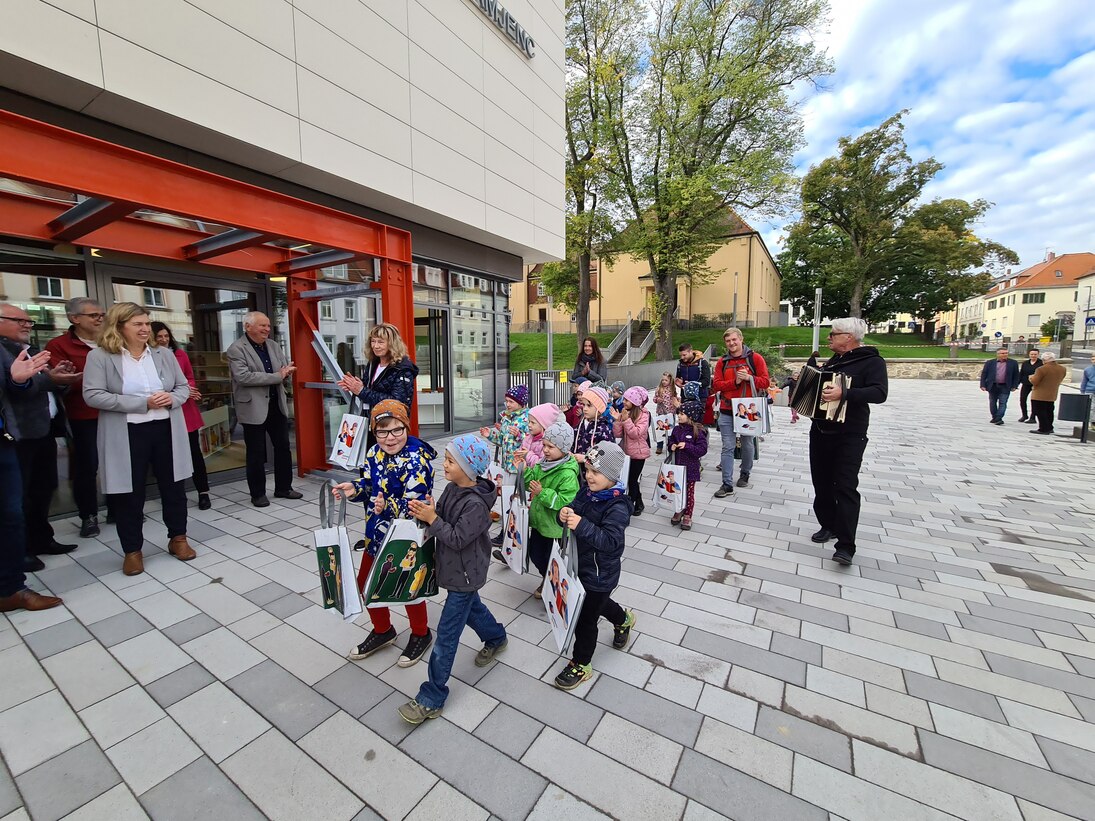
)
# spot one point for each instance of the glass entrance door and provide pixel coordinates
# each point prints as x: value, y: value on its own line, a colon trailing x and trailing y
x: 431, y: 347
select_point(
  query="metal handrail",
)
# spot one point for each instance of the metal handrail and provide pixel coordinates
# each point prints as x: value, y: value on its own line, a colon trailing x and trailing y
x: 639, y: 354
x: 621, y: 338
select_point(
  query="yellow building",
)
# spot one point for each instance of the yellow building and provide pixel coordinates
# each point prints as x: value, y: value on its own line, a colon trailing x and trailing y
x: 747, y: 279
x: 1017, y: 306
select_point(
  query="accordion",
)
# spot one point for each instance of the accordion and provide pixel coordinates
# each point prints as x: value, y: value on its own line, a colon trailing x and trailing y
x: 806, y: 395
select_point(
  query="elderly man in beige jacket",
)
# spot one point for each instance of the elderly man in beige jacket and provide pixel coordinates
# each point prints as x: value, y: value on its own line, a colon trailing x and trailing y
x: 1046, y: 382
x: 259, y: 369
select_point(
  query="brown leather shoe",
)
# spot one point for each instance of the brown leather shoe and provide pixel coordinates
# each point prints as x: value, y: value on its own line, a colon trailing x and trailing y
x: 27, y: 599
x: 133, y: 564
x: 180, y: 548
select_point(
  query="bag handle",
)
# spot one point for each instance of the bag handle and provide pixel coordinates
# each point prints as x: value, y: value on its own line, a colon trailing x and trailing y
x: 669, y: 460
x: 327, y: 511
x: 520, y: 488
x: 570, y: 557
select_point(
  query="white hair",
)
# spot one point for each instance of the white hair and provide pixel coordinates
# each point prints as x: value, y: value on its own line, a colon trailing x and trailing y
x: 851, y: 325
x: 250, y: 317
x: 1049, y: 356
x: 75, y: 305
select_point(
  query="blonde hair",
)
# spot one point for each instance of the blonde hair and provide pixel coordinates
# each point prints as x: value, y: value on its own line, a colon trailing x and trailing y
x: 397, y: 349
x: 111, y: 339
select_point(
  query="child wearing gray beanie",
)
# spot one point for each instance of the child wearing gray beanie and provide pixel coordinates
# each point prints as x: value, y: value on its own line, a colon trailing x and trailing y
x: 552, y: 484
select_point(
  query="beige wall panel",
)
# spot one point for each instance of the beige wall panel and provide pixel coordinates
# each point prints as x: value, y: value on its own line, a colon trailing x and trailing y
x: 449, y: 202
x: 268, y: 21
x: 321, y: 149
x: 190, y: 37
x: 436, y: 160
x: 328, y: 55
x: 461, y: 18
x: 502, y: 92
x: 507, y: 163
x: 84, y: 9
x: 431, y: 117
x: 550, y: 242
x: 71, y: 48
x: 383, y: 35
x: 504, y: 195
x: 432, y: 36
x: 161, y: 84
x: 506, y: 224
x: 507, y: 130
x: 329, y: 107
x: 435, y: 79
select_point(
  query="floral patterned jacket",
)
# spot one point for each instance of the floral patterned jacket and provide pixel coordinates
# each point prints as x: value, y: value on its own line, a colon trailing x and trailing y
x: 589, y: 433
x: 509, y: 434
x: 400, y: 477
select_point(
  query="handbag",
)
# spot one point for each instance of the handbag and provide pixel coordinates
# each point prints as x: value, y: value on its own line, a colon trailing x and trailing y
x: 751, y: 413
x: 737, y: 447
x: 669, y: 488
x: 336, y: 565
x: 562, y: 592
x: 404, y: 570
x: 515, y: 533
x: 350, y: 438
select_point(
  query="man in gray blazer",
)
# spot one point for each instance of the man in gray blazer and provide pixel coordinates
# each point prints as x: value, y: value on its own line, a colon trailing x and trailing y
x: 37, y: 419
x: 259, y: 370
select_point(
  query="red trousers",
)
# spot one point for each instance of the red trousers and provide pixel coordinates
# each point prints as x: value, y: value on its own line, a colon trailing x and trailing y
x: 382, y: 616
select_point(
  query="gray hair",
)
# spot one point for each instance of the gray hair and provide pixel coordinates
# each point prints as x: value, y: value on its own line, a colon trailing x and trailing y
x: 851, y: 325
x: 250, y: 317
x: 1049, y: 356
x: 75, y: 305
x: 734, y: 332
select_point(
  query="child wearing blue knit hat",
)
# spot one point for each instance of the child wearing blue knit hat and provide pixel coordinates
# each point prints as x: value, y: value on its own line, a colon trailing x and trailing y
x: 460, y: 525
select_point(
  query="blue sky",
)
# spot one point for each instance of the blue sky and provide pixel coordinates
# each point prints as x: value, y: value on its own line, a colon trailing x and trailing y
x: 1002, y: 92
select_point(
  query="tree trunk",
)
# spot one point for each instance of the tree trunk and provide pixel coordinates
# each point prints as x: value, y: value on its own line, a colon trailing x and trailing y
x: 855, y: 305
x: 582, y: 312
x: 665, y: 289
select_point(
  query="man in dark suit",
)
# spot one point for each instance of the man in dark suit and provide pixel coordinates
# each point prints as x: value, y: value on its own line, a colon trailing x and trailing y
x: 999, y: 378
x: 259, y: 369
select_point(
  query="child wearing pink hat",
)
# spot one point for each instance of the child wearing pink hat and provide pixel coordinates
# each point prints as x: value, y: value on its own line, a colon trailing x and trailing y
x: 593, y: 427
x: 540, y: 418
x: 632, y: 427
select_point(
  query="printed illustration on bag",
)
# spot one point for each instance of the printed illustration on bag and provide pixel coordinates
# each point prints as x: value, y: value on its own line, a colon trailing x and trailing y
x: 557, y: 603
x: 563, y: 596
x: 668, y: 483
x: 513, y: 535
x: 331, y: 578
x: 403, y: 573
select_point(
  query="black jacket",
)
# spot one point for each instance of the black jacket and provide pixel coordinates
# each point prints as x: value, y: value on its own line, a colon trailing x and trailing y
x: 1026, y: 369
x: 26, y: 411
x: 600, y: 538
x: 597, y: 369
x: 395, y: 382
x: 462, y: 529
x: 870, y: 386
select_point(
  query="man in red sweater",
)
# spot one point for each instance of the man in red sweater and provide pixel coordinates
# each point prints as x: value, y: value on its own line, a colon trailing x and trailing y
x: 740, y: 373
x: 86, y: 316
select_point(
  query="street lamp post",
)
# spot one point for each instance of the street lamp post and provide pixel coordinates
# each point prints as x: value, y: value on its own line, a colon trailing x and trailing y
x: 734, y: 315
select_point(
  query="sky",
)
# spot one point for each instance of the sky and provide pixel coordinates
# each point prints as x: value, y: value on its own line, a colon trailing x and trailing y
x: 1002, y: 92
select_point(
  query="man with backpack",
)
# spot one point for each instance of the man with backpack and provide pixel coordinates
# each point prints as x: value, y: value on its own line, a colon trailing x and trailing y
x: 693, y: 367
x: 741, y: 373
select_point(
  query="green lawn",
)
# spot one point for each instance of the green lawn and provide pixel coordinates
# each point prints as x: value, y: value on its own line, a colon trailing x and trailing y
x: 531, y: 350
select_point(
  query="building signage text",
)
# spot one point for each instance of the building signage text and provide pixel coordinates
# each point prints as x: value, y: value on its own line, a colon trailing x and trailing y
x: 497, y: 14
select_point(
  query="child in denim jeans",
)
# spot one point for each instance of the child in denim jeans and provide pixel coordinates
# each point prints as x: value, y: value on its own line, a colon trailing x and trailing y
x: 460, y: 523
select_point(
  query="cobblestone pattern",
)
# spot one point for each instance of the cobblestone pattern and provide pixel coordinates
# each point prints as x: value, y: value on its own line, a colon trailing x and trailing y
x: 949, y: 673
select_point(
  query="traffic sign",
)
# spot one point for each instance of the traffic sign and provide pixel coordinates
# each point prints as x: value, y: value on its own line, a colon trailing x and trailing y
x: 1090, y: 321
x: 999, y: 334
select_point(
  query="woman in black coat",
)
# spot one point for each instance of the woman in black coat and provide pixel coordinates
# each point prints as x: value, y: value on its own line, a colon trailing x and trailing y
x: 390, y: 373
x: 590, y: 363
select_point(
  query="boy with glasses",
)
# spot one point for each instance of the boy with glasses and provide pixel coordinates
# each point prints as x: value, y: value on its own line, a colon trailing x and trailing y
x: 398, y: 469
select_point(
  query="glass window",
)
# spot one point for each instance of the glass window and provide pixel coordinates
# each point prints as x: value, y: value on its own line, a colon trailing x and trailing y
x: 1034, y: 321
x: 326, y: 309
x: 992, y: 305
x: 329, y: 341
x: 501, y: 295
x: 540, y: 292
x: 1034, y: 299
x: 473, y: 373
x: 154, y: 298
x: 430, y: 284
x: 351, y: 310
x: 471, y: 291
x: 50, y: 288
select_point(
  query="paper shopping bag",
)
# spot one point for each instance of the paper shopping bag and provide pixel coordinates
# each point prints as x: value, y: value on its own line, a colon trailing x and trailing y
x: 515, y: 534
x: 669, y: 488
x: 663, y: 426
x: 350, y: 437
x: 562, y: 592
x: 751, y: 413
x: 336, y: 564
x: 404, y: 570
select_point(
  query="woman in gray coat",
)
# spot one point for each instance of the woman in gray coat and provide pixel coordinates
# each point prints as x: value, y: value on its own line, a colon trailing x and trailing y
x: 139, y: 391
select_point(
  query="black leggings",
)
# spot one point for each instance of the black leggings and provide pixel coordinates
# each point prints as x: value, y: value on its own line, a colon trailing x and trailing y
x: 539, y: 550
x: 201, y: 478
x: 596, y: 604
x: 634, y: 473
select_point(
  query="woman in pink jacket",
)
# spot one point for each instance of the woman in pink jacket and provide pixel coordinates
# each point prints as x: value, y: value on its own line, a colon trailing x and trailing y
x: 193, y: 416
x: 631, y: 428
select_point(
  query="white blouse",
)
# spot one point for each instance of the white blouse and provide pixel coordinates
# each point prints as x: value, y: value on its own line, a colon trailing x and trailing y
x: 139, y: 378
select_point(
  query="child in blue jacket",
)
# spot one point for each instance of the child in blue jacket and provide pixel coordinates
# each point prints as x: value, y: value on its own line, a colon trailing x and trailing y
x: 597, y: 519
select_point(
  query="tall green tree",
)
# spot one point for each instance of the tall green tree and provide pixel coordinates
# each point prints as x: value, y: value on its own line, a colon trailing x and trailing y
x: 701, y: 119
x: 600, y: 35
x: 866, y: 239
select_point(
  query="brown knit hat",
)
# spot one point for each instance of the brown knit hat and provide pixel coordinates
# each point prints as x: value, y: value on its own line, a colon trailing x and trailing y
x: 389, y: 409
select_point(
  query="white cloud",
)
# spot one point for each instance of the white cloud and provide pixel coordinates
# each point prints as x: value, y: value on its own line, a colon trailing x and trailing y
x: 1000, y: 91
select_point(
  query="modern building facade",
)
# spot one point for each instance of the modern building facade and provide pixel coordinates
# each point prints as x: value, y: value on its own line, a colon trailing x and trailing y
x: 745, y: 287
x: 333, y: 163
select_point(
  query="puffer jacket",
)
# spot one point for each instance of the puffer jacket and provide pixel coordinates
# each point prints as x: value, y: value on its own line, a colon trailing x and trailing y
x: 587, y: 434
x: 396, y: 381
x: 509, y: 434
x: 400, y: 477
x: 462, y: 530
x: 633, y: 435
x: 600, y: 537
x: 559, y: 486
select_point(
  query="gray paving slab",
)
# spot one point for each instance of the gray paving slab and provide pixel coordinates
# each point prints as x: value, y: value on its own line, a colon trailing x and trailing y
x: 1003, y: 630
x: 1029, y: 671
x: 353, y: 689
x: 925, y: 627
x: 803, y: 612
x: 1068, y: 760
x: 61, y: 580
x: 286, y: 606
x: 118, y: 628
x: 191, y: 628
x: 262, y: 596
x: 509, y: 730
x: 561, y: 710
x: 64, y: 784
x: 1021, y: 619
x: 56, y: 639
x: 961, y: 698
x: 9, y: 793
x: 178, y: 685
x: 384, y: 719
x: 812, y: 740
x: 282, y: 699
x: 648, y: 710
x: 762, y: 661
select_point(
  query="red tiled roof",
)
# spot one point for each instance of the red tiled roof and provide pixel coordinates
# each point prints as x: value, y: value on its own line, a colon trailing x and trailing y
x: 1044, y: 274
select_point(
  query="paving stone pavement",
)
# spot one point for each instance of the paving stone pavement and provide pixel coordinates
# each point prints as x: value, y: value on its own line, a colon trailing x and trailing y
x: 950, y: 673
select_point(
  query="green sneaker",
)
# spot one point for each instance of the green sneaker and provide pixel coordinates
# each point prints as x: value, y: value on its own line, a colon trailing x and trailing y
x: 414, y: 713
x: 621, y: 634
x: 573, y: 675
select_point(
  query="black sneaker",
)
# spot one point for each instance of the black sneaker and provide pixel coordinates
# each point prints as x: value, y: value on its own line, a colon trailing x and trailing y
x: 842, y: 557
x: 497, y: 540
x: 204, y: 502
x: 89, y: 527
x: 621, y: 634
x: 375, y: 641
x: 416, y: 648
x: 573, y: 675
x: 260, y: 501
x: 639, y: 510
x: 743, y: 480
x: 822, y: 536
x: 359, y: 544
x: 724, y: 491
x: 498, y: 555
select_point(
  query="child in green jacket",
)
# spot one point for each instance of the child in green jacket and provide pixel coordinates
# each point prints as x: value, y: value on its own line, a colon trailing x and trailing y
x: 552, y: 484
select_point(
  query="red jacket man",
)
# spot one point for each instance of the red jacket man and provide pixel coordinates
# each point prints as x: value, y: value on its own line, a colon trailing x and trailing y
x: 731, y: 382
